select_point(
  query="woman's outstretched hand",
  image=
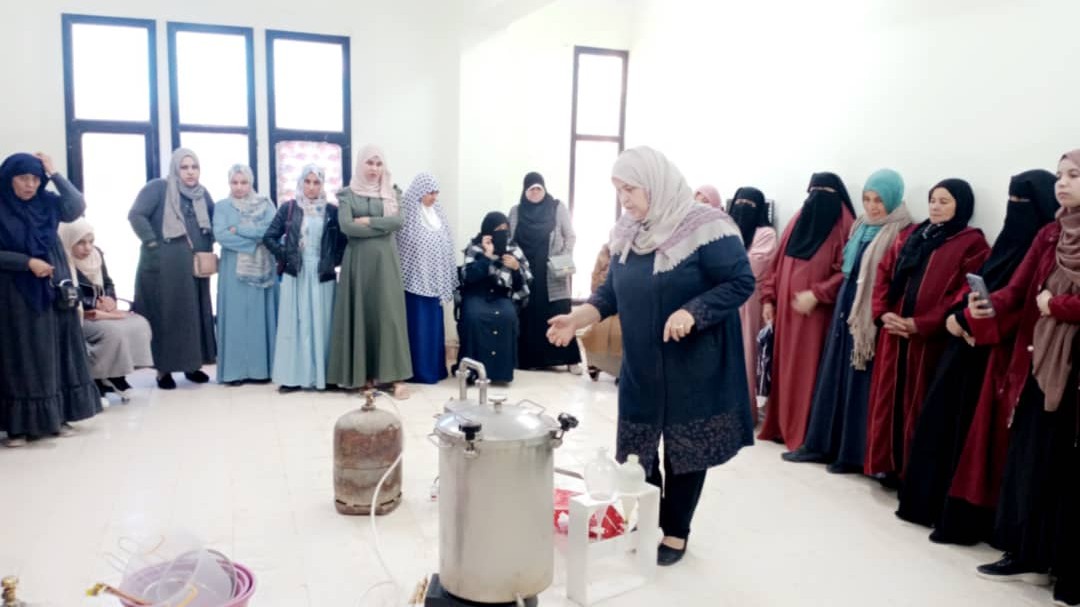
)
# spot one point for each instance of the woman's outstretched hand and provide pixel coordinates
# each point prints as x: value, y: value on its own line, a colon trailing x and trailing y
x: 561, y: 330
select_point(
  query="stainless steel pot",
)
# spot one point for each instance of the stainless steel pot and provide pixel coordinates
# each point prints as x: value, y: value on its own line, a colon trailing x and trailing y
x: 496, y: 469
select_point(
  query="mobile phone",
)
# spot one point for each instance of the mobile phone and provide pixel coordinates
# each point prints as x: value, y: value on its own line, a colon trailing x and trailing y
x: 978, y: 285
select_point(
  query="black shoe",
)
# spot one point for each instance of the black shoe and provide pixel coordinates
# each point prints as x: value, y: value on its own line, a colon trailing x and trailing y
x: 166, y: 382
x: 777, y: 440
x: 120, y: 383
x: 235, y: 383
x: 841, y: 468
x: 1065, y: 597
x: 288, y: 389
x: 940, y: 536
x: 1008, y: 569
x: 102, y: 388
x: 667, y: 556
x: 802, y: 455
x: 197, y: 377
x: 260, y: 382
x: 890, y: 481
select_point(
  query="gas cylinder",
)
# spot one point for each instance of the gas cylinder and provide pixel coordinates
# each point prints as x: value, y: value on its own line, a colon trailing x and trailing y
x: 367, y: 441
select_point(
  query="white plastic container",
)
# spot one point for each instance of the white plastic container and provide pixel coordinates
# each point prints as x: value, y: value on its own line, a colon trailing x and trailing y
x: 601, y: 476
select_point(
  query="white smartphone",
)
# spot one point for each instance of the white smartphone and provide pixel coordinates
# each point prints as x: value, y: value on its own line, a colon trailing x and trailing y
x: 978, y: 285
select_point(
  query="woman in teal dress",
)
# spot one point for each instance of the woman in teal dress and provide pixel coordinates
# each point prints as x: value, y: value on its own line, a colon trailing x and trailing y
x: 306, y: 240
x: 247, y: 297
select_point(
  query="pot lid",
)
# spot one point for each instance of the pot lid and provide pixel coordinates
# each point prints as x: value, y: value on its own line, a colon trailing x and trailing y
x: 502, y: 423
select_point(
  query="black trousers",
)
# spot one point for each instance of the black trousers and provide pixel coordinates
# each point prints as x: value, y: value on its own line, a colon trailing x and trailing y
x: 679, y: 497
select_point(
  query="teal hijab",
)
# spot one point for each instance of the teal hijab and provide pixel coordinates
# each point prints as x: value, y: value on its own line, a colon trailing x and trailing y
x: 890, y: 186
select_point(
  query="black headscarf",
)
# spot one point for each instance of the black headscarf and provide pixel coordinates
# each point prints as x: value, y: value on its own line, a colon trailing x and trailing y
x: 536, y: 221
x: 28, y: 226
x: 928, y: 236
x: 491, y: 221
x: 749, y: 217
x: 1022, y: 221
x: 819, y: 215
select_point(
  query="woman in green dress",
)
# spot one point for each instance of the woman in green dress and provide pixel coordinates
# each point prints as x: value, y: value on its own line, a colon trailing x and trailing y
x: 370, y: 342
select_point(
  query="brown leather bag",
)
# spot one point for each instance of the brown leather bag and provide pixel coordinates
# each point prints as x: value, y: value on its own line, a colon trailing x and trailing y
x: 206, y: 263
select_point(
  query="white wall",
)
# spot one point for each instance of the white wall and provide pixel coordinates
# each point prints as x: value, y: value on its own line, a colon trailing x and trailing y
x: 516, y: 94
x: 404, y: 60
x: 765, y: 93
x: 404, y: 71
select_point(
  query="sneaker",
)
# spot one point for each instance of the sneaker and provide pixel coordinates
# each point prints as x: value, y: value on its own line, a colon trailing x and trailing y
x: 1008, y: 569
x: 288, y: 389
x: 166, y: 382
x: 1065, y: 602
x: 574, y: 369
x: 197, y: 377
x: 15, y: 443
x: 67, y: 430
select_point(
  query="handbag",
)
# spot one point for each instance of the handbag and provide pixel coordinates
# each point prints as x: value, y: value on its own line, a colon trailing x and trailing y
x: 285, y: 239
x: 205, y: 262
x: 68, y: 295
x: 561, y: 266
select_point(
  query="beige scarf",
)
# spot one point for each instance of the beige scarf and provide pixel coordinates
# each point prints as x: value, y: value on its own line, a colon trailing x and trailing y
x: 861, y: 318
x: 1052, y: 363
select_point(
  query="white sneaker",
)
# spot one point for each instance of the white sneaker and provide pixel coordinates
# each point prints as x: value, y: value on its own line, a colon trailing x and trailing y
x: 67, y: 430
x: 574, y: 369
x: 15, y: 443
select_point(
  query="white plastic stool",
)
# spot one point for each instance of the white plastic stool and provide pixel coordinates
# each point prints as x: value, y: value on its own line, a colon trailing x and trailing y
x: 641, y: 543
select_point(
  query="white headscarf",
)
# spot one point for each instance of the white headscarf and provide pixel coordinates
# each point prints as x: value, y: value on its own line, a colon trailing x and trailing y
x: 311, y: 208
x: 91, y: 267
x: 425, y: 244
x: 675, y: 225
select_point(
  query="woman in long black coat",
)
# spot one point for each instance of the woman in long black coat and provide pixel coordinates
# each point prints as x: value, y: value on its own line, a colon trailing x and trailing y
x: 44, y: 376
x: 173, y: 219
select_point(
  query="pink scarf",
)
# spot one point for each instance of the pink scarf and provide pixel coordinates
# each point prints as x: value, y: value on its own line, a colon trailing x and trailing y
x: 712, y: 196
x: 383, y: 188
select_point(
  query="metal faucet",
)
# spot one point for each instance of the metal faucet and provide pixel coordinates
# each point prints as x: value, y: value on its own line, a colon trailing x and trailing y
x: 463, y: 377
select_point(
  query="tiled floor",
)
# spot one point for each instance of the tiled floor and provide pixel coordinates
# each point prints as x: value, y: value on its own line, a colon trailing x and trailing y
x: 249, y: 472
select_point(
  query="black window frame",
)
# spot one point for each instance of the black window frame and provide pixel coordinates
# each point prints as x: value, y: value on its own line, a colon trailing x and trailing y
x: 277, y: 135
x: 77, y: 127
x: 575, y: 136
x: 177, y: 127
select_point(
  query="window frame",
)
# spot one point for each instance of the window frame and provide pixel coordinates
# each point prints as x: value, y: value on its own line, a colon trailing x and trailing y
x: 575, y: 136
x: 75, y: 127
x: 177, y: 127
x: 276, y: 135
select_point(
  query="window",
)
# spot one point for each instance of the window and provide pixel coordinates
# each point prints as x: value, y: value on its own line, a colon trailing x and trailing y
x: 212, y: 96
x: 110, y: 103
x: 597, y: 131
x: 309, y: 90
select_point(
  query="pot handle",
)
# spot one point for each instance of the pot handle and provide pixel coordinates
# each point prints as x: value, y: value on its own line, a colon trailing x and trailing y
x: 539, y: 408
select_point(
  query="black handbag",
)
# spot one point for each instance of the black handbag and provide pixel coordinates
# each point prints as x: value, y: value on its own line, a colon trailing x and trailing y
x: 68, y: 295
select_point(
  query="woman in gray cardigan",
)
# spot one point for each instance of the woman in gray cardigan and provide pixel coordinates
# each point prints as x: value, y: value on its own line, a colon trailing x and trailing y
x: 540, y: 225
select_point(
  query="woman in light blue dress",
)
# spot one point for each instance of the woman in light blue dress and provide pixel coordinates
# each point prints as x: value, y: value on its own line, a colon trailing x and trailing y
x: 308, y: 244
x: 247, y: 297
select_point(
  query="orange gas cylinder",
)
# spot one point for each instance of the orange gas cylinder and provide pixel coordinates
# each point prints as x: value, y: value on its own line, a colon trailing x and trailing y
x: 367, y: 441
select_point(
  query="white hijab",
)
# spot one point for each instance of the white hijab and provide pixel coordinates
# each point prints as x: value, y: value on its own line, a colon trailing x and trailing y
x: 676, y: 225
